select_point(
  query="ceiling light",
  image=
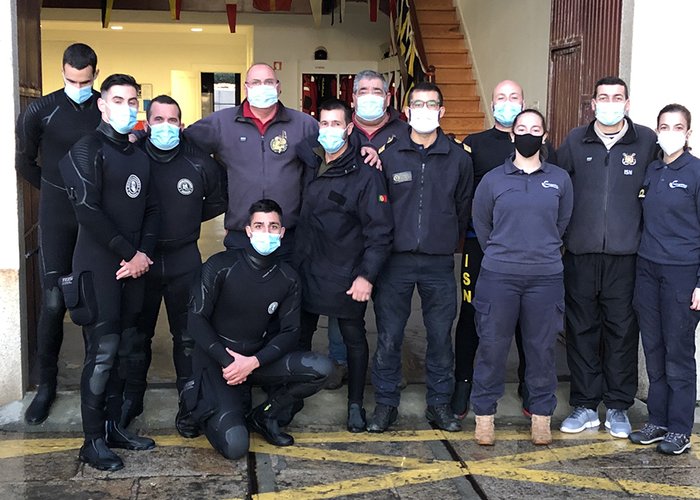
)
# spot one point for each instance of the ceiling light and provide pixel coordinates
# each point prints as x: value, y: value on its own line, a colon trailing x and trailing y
x: 197, y: 30
x: 117, y: 27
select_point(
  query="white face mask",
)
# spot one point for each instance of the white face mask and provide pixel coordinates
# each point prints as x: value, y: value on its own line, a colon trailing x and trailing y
x: 424, y: 120
x: 263, y: 96
x: 671, y: 141
x: 609, y: 113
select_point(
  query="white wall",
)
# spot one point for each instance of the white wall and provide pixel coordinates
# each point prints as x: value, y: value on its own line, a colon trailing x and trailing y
x: 11, y: 340
x: 151, y: 45
x: 509, y: 39
x: 663, y: 66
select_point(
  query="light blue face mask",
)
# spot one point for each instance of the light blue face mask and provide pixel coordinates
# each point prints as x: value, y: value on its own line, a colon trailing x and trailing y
x: 265, y: 243
x: 262, y: 96
x: 164, y: 136
x: 331, y: 138
x: 370, y: 107
x: 78, y: 95
x: 609, y: 113
x: 504, y: 112
x: 122, y: 118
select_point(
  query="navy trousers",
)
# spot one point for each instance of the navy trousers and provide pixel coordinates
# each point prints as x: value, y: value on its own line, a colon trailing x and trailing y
x: 434, y: 277
x: 662, y: 297
x: 501, y: 301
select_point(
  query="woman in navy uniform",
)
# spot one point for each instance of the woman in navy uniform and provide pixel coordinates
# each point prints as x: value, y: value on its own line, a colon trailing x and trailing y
x: 667, y: 289
x: 520, y: 212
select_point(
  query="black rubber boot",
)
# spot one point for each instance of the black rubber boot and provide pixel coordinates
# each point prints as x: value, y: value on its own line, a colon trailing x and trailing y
x: 96, y: 454
x: 38, y: 410
x: 118, y: 437
x: 266, y: 425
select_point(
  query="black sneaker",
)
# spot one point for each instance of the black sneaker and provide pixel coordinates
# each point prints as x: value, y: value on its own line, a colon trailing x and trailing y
x: 442, y: 417
x: 674, y: 443
x: 38, y: 410
x: 357, y: 421
x: 186, y: 426
x: 648, y: 434
x: 118, y: 437
x: 460, y: 398
x: 95, y: 453
x: 268, y: 428
x: 384, y: 416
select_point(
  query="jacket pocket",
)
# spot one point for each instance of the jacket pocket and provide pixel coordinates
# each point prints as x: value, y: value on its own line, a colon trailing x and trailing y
x: 79, y: 296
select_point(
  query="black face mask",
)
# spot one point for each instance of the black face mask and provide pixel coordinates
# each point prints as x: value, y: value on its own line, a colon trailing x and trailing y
x: 527, y: 144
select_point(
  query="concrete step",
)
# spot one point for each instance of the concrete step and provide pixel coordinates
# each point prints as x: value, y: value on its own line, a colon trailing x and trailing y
x: 446, y: 45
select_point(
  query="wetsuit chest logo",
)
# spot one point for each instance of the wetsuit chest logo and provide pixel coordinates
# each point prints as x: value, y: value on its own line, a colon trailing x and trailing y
x: 272, y: 307
x: 133, y: 186
x: 185, y: 187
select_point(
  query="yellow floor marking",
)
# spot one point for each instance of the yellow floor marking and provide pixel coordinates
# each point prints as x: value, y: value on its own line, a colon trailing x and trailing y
x: 416, y: 470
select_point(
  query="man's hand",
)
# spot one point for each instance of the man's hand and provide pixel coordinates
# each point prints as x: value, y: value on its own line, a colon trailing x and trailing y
x: 360, y: 290
x: 695, y: 300
x: 371, y: 157
x: 242, y: 366
x: 137, y: 266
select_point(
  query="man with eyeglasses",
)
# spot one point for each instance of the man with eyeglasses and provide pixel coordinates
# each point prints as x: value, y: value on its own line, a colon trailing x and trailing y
x: 256, y: 142
x: 429, y: 179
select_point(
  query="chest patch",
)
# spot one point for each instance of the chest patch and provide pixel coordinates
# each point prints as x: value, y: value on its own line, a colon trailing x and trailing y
x: 133, y: 186
x: 628, y: 171
x: 278, y: 144
x: 677, y: 184
x: 549, y: 185
x: 629, y: 159
x: 185, y: 187
x: 400, y: 177
x: 272, y: 307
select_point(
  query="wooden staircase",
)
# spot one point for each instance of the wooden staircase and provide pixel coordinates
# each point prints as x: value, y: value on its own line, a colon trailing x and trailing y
x: 445, y: 49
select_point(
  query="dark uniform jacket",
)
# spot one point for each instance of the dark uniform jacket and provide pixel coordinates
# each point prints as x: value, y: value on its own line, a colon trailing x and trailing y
x: 345, y: 230
x: 430, y: 193
x: 394, y: 126
x: 607, y: 215
x: 258, y: 166
x: 671, y: 203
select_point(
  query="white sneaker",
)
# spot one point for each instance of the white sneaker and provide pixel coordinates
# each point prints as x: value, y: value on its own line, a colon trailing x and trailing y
x: 580, y: 419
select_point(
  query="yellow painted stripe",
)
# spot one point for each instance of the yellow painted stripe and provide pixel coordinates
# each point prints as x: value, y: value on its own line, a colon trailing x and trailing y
x: 13, y: 448
x: 368, y: 437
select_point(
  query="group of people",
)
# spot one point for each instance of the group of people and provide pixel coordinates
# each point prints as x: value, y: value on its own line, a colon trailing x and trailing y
x: 322, y: 215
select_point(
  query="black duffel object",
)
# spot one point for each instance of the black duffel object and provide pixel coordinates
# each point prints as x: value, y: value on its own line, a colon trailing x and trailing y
x: 79, y: 297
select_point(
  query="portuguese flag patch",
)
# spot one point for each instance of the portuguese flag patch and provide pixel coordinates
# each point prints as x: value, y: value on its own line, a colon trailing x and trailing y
x: 382, y: 198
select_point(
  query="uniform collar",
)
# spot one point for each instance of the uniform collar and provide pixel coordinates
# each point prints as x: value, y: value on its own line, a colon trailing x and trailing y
x: 440, y: 146
x: 628, y: 138
x: 678, y: 163
x: 510, y: 167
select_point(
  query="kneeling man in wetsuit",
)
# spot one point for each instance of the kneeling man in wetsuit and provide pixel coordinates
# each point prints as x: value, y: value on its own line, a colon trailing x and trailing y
x: 240, y: 294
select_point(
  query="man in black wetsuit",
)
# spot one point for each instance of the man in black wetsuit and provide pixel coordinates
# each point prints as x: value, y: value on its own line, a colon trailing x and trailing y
x: 108, y: 181
x: 191, y: 189
x: 241, y: 293
x: 45, y: 131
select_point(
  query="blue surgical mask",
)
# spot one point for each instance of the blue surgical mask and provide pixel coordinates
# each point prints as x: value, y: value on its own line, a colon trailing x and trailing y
x: 331, y: 138
x: 122, y: 118
x: 78, y: 95
x: 262, y: 96
x: 370, y: 107
x: 505, y: 112
x: 265, y: 243
x: 164, y: 136
x: 609, y: 113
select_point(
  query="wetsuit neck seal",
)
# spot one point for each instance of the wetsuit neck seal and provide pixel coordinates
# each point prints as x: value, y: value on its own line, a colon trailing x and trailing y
x: 260, y: 262
x: 113, y: 135
x: 161, y: 155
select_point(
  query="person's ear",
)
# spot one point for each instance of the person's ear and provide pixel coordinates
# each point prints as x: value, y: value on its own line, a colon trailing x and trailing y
x: 282, y: 233
x: 248, y: 231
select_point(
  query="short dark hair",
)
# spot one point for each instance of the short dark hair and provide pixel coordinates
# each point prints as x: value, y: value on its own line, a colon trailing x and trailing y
x: 675, y: 108
x: 333, y: 104
x: 266, y: 206
x: 425, y: 87
x: 534, y: 112
x: 118, y: 79
x: 610, y: 80
x: 80, y: 56
x: 163, y: 99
